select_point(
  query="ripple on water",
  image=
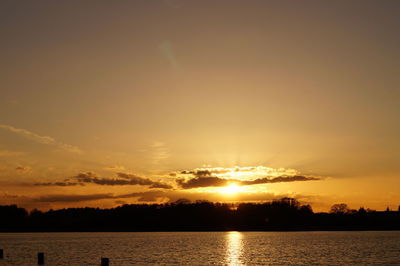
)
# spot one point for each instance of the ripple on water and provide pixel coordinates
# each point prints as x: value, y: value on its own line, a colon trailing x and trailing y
x: 204, y: 248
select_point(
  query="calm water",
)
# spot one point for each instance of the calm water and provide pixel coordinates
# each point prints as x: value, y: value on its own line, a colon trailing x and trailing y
x: 204, y: 248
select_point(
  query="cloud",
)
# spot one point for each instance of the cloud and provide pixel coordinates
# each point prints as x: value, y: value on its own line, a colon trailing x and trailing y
x: 7, y: 153
x: 59, y: 184
x: 279, y: 179
x: 73, y: 198
x: 202, y: 182
x: 136, y: 180
x: 212, y: 181
x: 115, y: 168
x: 159, y: 152
x: 249, y: 172
x: 200, y: 173
x: 22, y: 169
x: 142, y: 196
x: 123, y: 179
x: 41, y: 139
x: 244, y: 176
x: 187, y: 179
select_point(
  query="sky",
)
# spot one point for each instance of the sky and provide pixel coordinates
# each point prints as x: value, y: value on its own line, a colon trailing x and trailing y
x: 104, y: 103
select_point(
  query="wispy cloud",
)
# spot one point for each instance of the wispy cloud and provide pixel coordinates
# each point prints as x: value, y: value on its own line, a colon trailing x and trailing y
x: 73, y: 198
x: 159, y: 152
x: 115, y: 168
x: 279, y: 179
x: 22, y: 169
x: 41, y: 139
x: 142, y: 196
x: 155, y: 196
x: 58, y: 184
x: 7, y: 153
x: 123, y: 179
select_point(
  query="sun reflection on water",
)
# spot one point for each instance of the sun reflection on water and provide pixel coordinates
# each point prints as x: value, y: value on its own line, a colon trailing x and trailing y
x: 234, y: 248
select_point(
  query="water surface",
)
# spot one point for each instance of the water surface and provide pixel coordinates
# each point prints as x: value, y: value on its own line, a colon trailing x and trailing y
x: 204, y: 248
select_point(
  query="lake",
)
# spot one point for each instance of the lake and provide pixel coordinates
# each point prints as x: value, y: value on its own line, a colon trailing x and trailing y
x: 204, y: 248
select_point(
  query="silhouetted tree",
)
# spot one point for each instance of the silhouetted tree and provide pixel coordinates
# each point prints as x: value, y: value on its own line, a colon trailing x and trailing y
x: 340, y: 208
x: 11, y: 216
x: 182, y: 201
x: 306, y: 209
x: 290, y: 202
x: 201, y: 215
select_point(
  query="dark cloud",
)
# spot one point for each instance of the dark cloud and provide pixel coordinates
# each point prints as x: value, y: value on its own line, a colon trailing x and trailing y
x: 202, y: 182
x: 202, y: 178
x: 73, y: 198
x: 58, y: 184
x: 204, y: 173
x: 214, y: 171
x: 123, y: 179
x: 220, y: 182
x: 136, y: 180
x: 160, y: 185
x: 279, y: 179
x: 115, y: 167
x: 22, y: 169
x: 142, y: 196
x: 84, y: 177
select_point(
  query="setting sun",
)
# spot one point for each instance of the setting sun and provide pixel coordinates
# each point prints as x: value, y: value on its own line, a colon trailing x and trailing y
x: 230, y: 189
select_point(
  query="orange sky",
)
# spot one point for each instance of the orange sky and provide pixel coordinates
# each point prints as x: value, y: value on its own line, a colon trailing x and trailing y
x: 104, y: 103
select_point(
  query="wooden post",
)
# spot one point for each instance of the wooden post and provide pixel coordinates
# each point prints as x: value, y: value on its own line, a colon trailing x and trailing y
x: 105, y: 261
x: 40, y: 258
x: 1, y: 254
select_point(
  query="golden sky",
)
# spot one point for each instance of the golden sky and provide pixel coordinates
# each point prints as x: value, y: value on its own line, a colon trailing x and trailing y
x: 111, y: 102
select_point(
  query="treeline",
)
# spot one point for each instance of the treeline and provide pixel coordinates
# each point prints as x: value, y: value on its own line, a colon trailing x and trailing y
x: 284, y: 214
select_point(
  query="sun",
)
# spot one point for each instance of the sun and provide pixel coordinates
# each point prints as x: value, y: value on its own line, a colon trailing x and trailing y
x: 230, y: 189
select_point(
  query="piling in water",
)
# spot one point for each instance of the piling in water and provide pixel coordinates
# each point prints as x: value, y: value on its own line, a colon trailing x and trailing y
x: 105, y: 262
x: 40, y: 258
